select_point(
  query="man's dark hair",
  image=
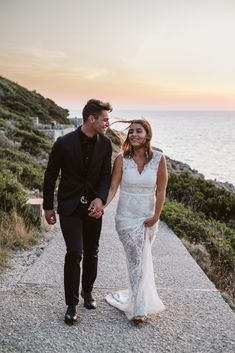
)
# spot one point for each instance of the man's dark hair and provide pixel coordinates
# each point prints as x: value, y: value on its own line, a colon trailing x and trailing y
x: 94, y: 107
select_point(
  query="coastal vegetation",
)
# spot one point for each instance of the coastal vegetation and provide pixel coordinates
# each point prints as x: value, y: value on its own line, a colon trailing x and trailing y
x: 23, y: 156
x: 210, y: 242
x: 202, y: 214
x: 203, y: 196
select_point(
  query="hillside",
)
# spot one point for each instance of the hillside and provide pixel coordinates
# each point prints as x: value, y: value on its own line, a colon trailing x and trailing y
x: 23, y: 156
x: 18, y: 100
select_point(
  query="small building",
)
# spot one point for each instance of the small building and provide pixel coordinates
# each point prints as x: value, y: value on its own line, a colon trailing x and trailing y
x: 36, y: 205
x: 53, y: 130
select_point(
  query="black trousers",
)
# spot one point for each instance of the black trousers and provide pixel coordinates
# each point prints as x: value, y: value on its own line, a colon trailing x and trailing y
x: 81, y: 234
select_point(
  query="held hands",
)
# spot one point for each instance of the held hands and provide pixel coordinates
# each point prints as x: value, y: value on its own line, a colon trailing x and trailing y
x: 50, y: 216
x: 96, y: 208
x: 149, y: 222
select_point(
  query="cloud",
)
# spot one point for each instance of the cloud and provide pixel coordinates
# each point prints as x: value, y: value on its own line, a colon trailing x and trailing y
x: 97, y: 74
x: 45, y: 54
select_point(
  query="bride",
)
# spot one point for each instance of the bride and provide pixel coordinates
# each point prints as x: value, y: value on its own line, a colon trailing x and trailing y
x: 142, y: 176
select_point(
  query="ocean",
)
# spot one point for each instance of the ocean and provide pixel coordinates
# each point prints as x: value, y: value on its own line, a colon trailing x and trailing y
x: 203, y: 139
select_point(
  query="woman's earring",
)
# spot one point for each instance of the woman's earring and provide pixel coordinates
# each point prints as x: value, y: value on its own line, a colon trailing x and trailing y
x: 146, y: 153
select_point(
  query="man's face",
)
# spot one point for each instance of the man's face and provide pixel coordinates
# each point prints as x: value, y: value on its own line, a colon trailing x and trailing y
x: 101, y: 124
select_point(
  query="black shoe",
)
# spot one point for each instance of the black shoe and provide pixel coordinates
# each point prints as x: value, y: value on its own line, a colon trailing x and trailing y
x: 89, y: 301
x: 71, y: 315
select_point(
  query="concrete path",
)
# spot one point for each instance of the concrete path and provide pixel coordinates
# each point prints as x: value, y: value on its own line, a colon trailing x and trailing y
x: 196, y: 320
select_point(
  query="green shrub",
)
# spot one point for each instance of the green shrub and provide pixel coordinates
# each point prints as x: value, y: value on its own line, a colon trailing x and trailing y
x: 18, y: 106
x: 215, y: 236
x: 31, y: 176
x: 12, y: 195
x: 202, y: 196
x: 13, y: 198
x: 14, y: 155
x: 2, y: 123
x: 32, y: 143
x: 6, y: 114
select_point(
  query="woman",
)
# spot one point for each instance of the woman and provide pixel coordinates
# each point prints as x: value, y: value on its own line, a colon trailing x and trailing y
x: 142, y: 175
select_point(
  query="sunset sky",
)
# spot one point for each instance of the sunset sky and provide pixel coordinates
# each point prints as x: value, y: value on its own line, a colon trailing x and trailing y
x: 152, y: 54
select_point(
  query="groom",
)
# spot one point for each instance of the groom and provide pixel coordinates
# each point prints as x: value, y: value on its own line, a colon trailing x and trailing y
x: 84, y: 159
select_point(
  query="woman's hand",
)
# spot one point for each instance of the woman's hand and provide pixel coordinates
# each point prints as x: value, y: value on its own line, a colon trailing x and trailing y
x: 149, y: 222
x: 96, y: 208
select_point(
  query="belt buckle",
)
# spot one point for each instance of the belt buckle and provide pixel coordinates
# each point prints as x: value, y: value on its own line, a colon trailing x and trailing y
x: 84, y: 200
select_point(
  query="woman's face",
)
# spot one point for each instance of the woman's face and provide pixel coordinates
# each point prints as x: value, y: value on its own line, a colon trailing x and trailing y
x: 137, y: 135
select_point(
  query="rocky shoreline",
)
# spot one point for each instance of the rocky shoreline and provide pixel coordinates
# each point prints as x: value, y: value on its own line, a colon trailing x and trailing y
x: 180, y: 167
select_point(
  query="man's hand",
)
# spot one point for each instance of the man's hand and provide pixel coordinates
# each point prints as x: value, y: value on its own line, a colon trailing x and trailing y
x: 96, y: 208
x: 50, y: 216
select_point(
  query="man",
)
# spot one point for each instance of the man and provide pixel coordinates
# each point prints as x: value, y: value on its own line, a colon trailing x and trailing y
x: 84, y: 159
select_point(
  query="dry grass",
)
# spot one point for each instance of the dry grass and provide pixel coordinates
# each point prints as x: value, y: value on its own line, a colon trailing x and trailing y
x: 200, y: 255
x: 224, y: 282
x: 3, y: 257
x: 14, y: 235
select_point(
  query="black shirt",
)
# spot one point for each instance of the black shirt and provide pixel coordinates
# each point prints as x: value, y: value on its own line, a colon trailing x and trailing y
x: 87, y: 144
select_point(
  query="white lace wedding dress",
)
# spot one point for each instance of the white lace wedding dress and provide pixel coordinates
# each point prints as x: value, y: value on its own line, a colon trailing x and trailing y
x: 136, y: 204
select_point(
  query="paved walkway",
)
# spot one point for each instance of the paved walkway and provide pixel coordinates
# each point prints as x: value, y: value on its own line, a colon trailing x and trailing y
x: 196, y: 319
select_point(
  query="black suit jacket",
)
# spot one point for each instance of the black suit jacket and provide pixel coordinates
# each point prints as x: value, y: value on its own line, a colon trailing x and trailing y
x: 66, y: 156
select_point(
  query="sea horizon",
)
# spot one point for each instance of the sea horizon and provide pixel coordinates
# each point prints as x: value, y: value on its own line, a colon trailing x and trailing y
x: 203, y: 139
x: 76, y: 110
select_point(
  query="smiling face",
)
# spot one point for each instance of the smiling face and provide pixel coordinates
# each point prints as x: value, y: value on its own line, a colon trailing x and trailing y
x: 137, y: 135
x: 100, y: 124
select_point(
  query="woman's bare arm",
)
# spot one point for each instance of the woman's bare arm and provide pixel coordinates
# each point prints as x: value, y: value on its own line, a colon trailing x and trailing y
x: 116, y: 178
x: 162, y: 178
